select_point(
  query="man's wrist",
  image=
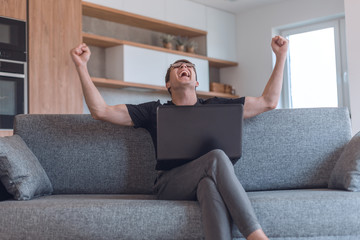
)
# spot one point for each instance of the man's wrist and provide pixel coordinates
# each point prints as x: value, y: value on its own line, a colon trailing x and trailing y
x: 81, y: 67
x: 281, y: 57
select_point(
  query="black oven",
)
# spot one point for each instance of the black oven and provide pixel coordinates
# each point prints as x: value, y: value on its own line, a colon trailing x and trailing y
x: 11, y: 100
x: 12, y: 39
x: 13, y: 71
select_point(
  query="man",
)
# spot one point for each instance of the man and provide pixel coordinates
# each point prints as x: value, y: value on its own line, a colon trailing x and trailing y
x: 210, y: 179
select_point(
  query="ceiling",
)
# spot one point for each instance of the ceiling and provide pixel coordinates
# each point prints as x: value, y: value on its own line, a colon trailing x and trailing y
x: 236, y: 6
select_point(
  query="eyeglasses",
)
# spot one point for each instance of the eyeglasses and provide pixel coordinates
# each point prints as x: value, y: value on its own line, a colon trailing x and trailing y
x: 179, y: 64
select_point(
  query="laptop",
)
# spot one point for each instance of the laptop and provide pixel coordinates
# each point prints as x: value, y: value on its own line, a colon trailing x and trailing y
x: 185, y: 133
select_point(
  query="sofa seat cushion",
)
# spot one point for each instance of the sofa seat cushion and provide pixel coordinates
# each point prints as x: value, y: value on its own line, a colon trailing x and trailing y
x: 289, y: 214
x: 312, y: 213
x: 100, y: 217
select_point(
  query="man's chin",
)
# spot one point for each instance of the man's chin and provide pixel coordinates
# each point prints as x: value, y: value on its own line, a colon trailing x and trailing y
x: 184, y: 88
x: 184, y: 79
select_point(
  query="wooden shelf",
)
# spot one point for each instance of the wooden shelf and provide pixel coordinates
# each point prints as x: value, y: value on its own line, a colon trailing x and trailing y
x: 123, y: 17
x: 110, y: 83
x: 101, y: 41
x: 135, y: 20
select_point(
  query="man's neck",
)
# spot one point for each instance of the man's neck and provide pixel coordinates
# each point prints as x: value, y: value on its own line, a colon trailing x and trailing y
x: 183, y: 98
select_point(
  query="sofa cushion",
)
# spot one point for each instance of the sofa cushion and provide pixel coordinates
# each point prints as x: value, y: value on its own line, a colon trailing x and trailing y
x: 346, y: 173
x: 311, y: 213
x: 97, y: 217
x: 287, y: 214
x: 20, y: 171
x: 83, y: 155
x: 292, y: 148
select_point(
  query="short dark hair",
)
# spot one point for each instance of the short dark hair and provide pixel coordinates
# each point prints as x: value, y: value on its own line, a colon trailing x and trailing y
x: 167, y: 76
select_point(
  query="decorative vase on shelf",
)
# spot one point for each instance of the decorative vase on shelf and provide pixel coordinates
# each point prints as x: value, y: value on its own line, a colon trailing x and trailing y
x: 180, y: 43
x: 167, y: 45
x: 167, y: 40
x: 190, y: 49
x: 180, y: 48
x: 191, y: 46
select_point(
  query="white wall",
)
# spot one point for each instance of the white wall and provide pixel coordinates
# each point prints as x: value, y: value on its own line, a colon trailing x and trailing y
x: 254, y: 38
x: 352, y: 20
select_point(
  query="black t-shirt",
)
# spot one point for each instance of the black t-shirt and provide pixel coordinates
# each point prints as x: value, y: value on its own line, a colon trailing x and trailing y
x: 144, y: 116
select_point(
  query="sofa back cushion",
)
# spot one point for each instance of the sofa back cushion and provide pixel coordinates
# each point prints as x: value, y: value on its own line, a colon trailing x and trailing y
x: 282, y: 149
x: 82, y: 155
x: 292, y: 148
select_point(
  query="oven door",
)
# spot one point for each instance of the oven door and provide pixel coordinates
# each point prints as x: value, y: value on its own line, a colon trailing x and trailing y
x: 11, y: 100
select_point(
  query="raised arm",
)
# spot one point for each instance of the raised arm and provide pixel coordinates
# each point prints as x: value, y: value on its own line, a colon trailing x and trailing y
x: 271, y: 94
x: 117, y: 114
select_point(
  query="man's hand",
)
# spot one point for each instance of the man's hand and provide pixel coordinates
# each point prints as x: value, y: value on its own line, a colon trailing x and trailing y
x: 280, y: 46
x: 80, y: 55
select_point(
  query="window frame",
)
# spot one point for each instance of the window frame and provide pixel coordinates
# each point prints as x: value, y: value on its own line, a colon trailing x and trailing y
x: 340, y: 54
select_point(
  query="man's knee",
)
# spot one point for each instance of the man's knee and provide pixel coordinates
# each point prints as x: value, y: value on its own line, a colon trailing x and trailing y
x: 207, y: 190
x: 218, y: 158
x: 206, y: 184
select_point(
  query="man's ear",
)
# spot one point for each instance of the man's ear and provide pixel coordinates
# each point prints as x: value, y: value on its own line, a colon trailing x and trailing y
x: 167, y: 85
x: 197, y: 83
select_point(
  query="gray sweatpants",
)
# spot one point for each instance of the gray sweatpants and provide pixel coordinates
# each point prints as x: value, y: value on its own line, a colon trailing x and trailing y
x: 212, y: 181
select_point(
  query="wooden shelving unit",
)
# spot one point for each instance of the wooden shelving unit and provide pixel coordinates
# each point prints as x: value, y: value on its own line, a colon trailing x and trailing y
x: 101, y: 41
x: 135, y: 20
x: 110, y: 83
x: 123, y: 17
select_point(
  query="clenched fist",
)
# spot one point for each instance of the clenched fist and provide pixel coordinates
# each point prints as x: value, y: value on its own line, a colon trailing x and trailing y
x: 279, y: 46
x: 80, y: 55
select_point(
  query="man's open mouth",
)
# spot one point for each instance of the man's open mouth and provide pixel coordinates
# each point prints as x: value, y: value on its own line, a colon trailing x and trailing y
x: 184, y: 74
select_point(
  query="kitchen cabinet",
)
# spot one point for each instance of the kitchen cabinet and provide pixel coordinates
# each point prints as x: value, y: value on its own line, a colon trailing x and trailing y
x: 146, y: 66
x: 13, y: 9
x: 221, y: 37
x: 153, y: 9
x: 186, y: 13
x: 54, y: 29
x: 117, y: 4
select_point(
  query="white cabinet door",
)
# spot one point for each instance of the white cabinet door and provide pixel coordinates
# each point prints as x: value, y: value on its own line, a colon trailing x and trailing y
x: 153, y: 9
x: 186, y: 13
x: 118, y: 4
x: 145, y: 66
x: 137, y: 65
x: 221, y: 37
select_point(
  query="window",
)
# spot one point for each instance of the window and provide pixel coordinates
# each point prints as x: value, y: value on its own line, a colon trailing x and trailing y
x: 315, y: 74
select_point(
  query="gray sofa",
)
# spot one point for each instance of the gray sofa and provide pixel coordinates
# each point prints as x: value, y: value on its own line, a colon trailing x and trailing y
x: 102, y: 177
